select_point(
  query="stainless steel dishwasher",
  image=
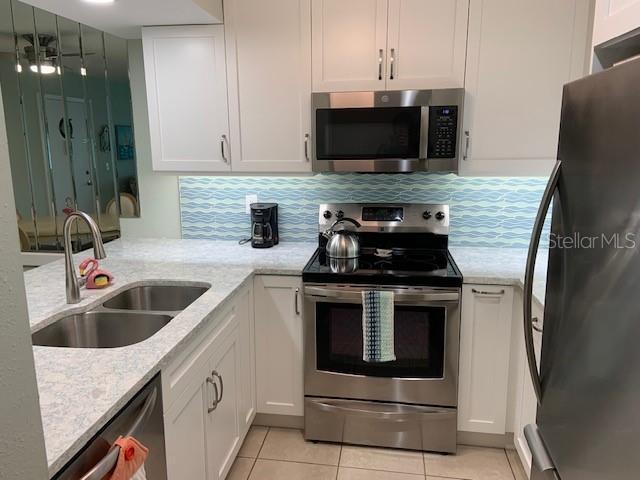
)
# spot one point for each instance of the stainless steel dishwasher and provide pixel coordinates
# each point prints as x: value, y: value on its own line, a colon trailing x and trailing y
x: 140, y: 418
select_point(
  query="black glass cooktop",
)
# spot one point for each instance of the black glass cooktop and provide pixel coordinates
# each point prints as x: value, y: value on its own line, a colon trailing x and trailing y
x: 394, y: 266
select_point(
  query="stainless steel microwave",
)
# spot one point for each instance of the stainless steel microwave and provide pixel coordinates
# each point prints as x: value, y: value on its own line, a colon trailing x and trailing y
x: 387, y: 131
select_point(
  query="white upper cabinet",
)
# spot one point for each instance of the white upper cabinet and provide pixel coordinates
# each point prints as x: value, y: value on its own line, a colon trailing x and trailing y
x: 388, y: 44
x: 186, y: 79
x: 349, y: 45
x: 426, y: 43
x: 519, y: 55
x: 614, y: 18
x: 269, y: 72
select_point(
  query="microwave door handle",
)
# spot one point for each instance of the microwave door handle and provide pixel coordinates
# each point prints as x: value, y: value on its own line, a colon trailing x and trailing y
x: 527, y: 296
x: 108, y: 462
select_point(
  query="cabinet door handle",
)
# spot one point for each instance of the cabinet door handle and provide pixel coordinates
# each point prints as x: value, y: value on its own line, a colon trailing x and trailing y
x: 295, y: 301
x: 219, y: 377
x: 380, y: 59
x: 215, y: 402
x: 306, y: 146
x: 392, y: 60
x: 223, y: 140
x: 534, y: 324
x: 467, y: 143
x: 488, y: 293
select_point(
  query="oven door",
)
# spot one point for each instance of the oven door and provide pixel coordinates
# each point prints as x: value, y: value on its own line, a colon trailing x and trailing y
x: 426, y: 342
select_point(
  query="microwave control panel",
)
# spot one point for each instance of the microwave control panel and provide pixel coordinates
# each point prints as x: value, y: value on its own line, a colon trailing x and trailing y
x: 443, y: 131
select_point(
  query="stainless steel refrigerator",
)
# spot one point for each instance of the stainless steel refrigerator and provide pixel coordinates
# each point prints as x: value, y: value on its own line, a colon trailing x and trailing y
x: 588, y: 387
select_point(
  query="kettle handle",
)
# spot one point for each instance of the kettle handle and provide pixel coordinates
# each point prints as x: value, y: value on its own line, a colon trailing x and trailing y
x: 345, y: 219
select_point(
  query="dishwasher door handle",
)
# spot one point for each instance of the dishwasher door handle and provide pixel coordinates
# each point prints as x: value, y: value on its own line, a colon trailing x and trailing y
x: 108, y: 462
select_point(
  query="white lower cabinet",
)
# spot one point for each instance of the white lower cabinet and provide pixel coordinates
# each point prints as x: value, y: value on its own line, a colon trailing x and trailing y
x: 526, y: 405
x: 485, y: 337
x: 279, y: 360
x: 208, y: 396
x: 223, y: 421
x: 247, y: 365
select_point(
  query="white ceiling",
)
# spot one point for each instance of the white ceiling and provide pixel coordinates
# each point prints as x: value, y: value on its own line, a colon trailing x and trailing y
x: 125, y: 17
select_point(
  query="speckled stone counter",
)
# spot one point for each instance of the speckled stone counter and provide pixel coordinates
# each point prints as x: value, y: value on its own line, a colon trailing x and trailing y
x: 501, y: 266
x: 81, y: 389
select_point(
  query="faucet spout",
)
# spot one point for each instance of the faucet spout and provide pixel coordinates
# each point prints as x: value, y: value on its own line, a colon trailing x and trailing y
x: 72, y: 282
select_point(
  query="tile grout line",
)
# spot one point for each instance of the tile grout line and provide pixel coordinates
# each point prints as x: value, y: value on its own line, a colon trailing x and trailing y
x: 513, y: 473
x: 339, y: 460
x: 255, y: 460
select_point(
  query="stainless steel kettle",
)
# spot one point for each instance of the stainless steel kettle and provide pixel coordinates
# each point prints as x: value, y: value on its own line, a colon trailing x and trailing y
x: 342, y: 243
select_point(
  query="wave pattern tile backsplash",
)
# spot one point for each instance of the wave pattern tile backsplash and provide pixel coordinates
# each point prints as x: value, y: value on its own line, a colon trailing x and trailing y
x: 485, y: 211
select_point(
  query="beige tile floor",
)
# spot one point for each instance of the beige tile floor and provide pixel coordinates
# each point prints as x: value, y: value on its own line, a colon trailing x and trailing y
x: 282, y: 454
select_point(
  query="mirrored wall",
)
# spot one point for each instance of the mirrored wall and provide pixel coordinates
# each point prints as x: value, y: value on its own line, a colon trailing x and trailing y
x: 67, y: 104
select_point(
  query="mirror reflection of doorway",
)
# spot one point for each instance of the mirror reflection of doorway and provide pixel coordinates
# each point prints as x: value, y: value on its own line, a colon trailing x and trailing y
x: 73, y: 159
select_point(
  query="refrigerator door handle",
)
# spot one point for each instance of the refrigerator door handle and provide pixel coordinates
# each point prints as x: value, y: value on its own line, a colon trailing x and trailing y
x: 527, y: 296
x: 540, y: 458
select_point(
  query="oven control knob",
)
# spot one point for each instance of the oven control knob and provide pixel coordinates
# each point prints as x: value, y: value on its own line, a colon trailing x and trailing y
x: 340, y: 214
x: 327, y: 214
x: 426, y: 214
x: 440, y: 216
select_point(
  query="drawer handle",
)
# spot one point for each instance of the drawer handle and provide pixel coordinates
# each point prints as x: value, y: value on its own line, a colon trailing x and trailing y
x: 215, y: 402
x: 488, y: 293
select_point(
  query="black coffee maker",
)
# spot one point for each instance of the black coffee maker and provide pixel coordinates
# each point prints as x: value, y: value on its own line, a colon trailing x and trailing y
x: 264, y: 225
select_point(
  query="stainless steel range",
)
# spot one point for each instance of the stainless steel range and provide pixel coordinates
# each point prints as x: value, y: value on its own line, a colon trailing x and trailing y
x: 410, y: 402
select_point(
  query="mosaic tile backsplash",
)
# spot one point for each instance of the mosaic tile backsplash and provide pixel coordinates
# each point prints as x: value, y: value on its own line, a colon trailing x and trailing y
x: 485, y: 211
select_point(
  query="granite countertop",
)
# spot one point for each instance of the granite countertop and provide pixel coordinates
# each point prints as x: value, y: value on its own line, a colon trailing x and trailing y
x: 81, y: 389
x: 501, y: 266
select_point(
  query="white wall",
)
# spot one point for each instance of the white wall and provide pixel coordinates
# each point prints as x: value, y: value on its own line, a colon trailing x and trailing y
x: 22, y: 451
x: 159, y: 200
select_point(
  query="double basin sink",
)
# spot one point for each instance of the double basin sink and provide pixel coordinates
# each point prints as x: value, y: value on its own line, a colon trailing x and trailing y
x: 130, y: 317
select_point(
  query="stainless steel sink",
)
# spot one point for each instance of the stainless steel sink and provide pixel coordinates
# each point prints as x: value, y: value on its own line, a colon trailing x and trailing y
x: 100, y: 329
x: 166, y: 298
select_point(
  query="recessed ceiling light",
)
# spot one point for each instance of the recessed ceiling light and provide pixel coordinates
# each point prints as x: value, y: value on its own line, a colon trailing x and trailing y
x: 103, y: 2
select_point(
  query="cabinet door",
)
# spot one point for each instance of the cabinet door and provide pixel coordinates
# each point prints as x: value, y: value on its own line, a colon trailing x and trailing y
x: 247, y: 365
x: 185, y: 435
x: 186, y: 80
x: 528, y: 404
x: 427, y: 42
x: 614, y: 18
x: 485, y: 337
x: 223, y: 435
x: 349, y: 44
x: 279, y: 364
x: 269, y: 55
x: 514, y: 79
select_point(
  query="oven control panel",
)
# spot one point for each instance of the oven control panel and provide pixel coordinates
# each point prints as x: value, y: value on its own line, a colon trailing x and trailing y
x: 443, y: 131
x: 387, y: 217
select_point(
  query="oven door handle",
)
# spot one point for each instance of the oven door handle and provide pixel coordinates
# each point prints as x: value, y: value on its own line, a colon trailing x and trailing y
x: 400, y: 296
x: 407, y: 414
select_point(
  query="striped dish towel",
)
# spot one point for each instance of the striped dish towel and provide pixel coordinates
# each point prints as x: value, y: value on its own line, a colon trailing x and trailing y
x: 377, y: 326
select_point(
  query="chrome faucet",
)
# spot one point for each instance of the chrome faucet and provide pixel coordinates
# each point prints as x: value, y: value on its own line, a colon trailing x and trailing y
x: 72, y: 281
